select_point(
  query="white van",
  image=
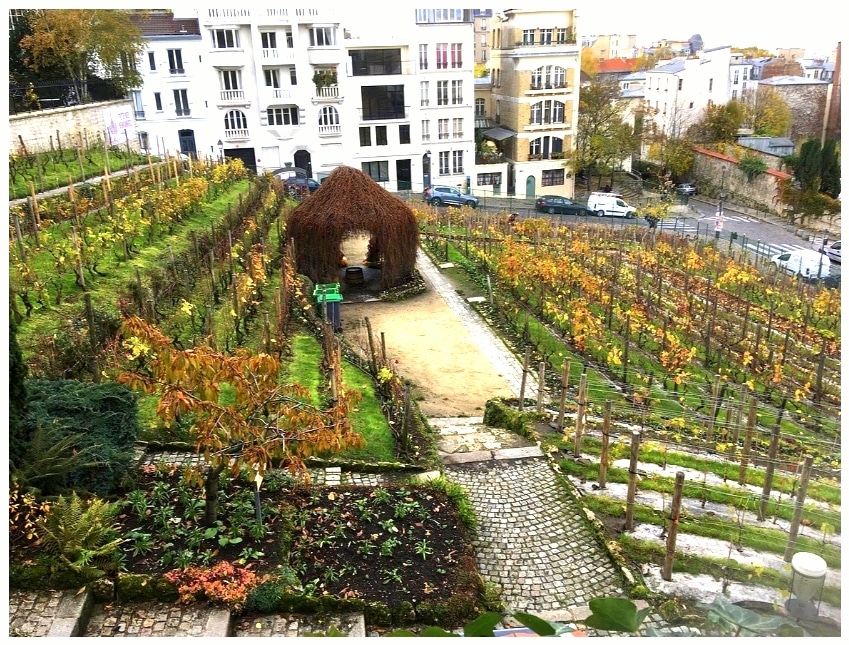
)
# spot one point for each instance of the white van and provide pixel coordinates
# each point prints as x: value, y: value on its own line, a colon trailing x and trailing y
x: 610, y: 204
x: 806, y: 263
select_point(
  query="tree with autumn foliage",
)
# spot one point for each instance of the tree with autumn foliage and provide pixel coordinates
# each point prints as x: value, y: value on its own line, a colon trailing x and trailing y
x: 768, y: 114
x: 243, y: 418
x: 82, y: 43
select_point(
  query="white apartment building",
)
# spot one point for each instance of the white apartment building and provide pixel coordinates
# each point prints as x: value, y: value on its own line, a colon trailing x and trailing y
x: 678, y: 91
x: 314, y: 89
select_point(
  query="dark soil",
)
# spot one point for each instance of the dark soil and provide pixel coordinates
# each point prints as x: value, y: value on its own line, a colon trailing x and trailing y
x: 386, y: 545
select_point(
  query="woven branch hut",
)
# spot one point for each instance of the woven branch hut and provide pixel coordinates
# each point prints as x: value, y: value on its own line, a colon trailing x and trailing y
x: 347, y: 203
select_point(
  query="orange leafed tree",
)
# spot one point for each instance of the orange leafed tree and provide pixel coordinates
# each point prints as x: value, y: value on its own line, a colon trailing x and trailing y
x: 263, y: 424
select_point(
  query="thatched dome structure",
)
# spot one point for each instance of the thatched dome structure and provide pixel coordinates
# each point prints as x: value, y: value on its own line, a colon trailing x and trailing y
x: 349, y: 202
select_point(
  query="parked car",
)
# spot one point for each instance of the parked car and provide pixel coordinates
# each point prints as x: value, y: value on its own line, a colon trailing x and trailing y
x: 687, y: 189
x: 554, y: 204
x: 449, y: 196
x: 602, y: 204
x: 309, y: 182
x: 832, y: 250
x: 805, y: 263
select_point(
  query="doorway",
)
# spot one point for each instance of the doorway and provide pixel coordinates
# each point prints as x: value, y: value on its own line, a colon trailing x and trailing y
x: 303, y: 159
x: 404, y: 174
x: 187, y: 143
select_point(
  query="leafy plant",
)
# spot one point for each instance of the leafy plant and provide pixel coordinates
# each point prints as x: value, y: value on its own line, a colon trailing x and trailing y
x: 142, y: 543
x: 752, y: 166
x: 391, y: 575
x: 389, y: 545
x: 382, y: 496
x: 249, y: 554
x: 83, y: 536
x: 423, y: 549
x: 734, y: 620
x: 223, y: 583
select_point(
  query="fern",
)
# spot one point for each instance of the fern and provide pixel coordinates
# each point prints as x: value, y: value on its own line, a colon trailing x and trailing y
x: 83, y: 536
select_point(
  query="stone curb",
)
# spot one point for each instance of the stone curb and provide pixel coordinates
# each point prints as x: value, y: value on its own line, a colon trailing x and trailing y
x: 72, y: 614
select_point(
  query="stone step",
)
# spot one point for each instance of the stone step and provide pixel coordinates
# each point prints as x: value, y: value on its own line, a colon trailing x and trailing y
x: 468, y: 439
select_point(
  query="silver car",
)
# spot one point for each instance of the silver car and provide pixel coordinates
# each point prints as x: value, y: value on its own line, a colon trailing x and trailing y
x: 832, y: 250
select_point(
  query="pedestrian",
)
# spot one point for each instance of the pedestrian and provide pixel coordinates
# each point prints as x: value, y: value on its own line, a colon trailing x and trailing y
x: 719, y: 222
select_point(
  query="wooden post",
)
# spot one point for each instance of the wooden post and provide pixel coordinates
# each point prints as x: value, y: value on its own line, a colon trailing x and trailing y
x: 524, y: 379
x: 632, y: 481
x: 747, y: 443
x: 714, y: 402
x: 19, y: 239
x: 383, y: 346
x: 92, y: 338
x: 541, y: 388
x: 672, y: 534
x: 267, y: 332
x: 605, y: 447
x: 797, y: 511
x: 564, y: 384
x: 770, y: 469
x: 209, y: 327
x: 579, y: 417
x: 371, y: 348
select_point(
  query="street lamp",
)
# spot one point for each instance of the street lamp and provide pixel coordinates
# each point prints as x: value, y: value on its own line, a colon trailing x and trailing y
x: 220, y: 151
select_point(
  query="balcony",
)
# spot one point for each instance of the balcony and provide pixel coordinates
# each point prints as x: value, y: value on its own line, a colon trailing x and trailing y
x: 232, y: 96
x: 324, y: 56
x: 278, y: 93
x: 139, y: 114
x: 329, y: 130
x: 285, y: 55
x: 327, y: 93
x: 489, y: 157
x: 176, y: 70
x: 537, y: 89
x: 183, y: 112
x: 236, y: 135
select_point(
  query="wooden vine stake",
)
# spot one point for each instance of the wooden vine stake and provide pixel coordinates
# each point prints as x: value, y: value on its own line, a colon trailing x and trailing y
x: 770, y: 470
x: 92, y: 338
x: 797, y: 511
x: 579, y: 417
x: 541, y: 388
x: 632, y: 481
x: 524, y: 379
x: 605, y: 446
x: 672, y: 535
x: 564, y: 385
x: 372, y: 353
x: 714, y: 402
x: 747, y: 442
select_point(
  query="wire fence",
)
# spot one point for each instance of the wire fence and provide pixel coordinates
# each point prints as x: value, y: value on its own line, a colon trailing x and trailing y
x: 33, y: 97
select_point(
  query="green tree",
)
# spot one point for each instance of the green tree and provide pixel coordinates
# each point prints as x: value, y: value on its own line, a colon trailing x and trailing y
x: 830, y: 169
x: 809, y: 166
x: 82, y: 42
x: 721, y: 123
x: 768, y: 114
x: 603, y: 138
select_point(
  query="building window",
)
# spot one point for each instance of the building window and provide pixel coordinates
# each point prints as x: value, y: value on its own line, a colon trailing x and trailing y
x: 443, y: 129
x: 157, y: 99
x: 745, y: 73
x: 328, y: 116
x: 528, y: 36
x: 380, y: 135
x: 456, y: 92
x: 181, y: 102
x: 444, y: 163
x: 545, y: 146
x: 175, y: 61
x: 290, y: 43
x: 235, y: 120
x: 382, y: 102
x: 710, y: 85
x: 545, y: 36
x: 548, y: 112
x: 442, y: 92
x: 230, y: 80
x: 293, y: 75
x: 225, y: 38
x: 456, y: 55
x: 457, y: 161
x: 422, y: 56
x: 480, y: 107
x: 282, y: 115
x: 680, y: 84
x: 377, y: 170
x: 272, y: 78
x: 425, y: 130
x: 365, y: 136
x: 375, y: 62
x: 736, y: 76
x: 457, y: 127
x: 425, y: 90
x: 547, y: 77
x: 151, y: 59
x: 441, y: 55
x: 561, y: 35
x: 322, y: 36
x: 144, y: 141
x: 734, y: 94
x: 489, y: 179
x: 404, y: 133
x: 269, y: 39
x: 553, y: 177
x: 138, y: 106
